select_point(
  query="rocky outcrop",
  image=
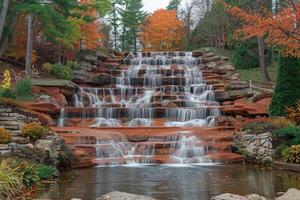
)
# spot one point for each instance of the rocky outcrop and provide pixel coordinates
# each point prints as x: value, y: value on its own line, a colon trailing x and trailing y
x: 256, y: 148
x: 228, y: 196
x: 13, y: 119
x: 291, y: 194
x: 122, y: 196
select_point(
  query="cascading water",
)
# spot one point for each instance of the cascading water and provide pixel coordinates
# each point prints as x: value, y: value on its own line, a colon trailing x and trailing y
x: 157, y: 85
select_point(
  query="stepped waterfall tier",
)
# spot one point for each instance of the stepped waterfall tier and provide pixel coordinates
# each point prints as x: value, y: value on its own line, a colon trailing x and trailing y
x: 155, y: 108
x: 169, y: 87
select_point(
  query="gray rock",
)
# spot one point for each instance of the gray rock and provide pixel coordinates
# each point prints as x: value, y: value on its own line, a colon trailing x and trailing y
x: 123, y: 196
x: 291, y: 194
x: 228, y: 196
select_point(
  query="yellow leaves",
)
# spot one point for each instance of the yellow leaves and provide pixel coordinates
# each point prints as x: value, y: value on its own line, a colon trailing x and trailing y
x: 162, y: 31
x: 6, y: 83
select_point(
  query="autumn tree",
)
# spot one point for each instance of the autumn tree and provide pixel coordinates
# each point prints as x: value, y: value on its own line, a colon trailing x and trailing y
x: 281, y: 29
x: 162, y: 31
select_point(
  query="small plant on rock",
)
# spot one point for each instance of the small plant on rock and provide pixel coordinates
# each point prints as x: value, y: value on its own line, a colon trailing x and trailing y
x: 5, y: 136
x: 292, y: 154
x: 34, y: 131
x: 45, y: 171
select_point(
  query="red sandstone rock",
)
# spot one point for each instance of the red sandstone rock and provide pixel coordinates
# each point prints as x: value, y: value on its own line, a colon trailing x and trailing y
x: 61, y: 99
x: 42, y: 106
x: 46, y: 90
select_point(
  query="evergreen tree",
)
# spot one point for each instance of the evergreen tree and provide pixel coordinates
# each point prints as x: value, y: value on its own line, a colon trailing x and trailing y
x: 287, y: 89
x: 132, y: 16
x: 174, y: 5
x: 114, y: 21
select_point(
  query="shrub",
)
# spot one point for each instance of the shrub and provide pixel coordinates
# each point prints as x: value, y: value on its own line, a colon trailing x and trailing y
x: 7, y: 93
x: 293, y: 113
x: 10, y: 180
x: 34, y: 131
x: 281, y: 122
x: 5, y: 136
x: 292, y: 154
x: 23, y: 89
x: 29, y: 175
x: 73, y: 65
x: 45, y: 171
x: 291, y: 134
x: 47, y: 67
x: 61, y: 71
x: 245, y: 56
x: 287, y: 89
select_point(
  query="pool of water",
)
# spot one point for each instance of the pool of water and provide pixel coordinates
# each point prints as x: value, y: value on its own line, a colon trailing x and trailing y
x: 171, y: 182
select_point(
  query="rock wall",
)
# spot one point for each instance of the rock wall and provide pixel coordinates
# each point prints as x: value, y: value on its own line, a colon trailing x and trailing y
x: 256, y: 148
x: 13, y: 119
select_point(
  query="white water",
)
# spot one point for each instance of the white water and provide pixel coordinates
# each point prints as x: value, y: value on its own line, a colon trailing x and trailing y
x: 166, y: 85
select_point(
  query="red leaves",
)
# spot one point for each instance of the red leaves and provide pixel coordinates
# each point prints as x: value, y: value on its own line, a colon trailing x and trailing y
x: 281, y: 29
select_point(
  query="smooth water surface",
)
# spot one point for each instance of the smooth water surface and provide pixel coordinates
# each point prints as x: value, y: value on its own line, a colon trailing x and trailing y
x: 171, y: 182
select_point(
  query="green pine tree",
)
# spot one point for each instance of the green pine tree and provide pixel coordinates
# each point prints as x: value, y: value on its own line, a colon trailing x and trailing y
x: 174, y: 5
x: 132, y: 17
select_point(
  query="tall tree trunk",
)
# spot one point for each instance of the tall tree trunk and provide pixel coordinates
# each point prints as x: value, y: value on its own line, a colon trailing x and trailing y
x: 29, y: 46
x: 4, y: 38
x: 3, y: 14
x: 262, y: 62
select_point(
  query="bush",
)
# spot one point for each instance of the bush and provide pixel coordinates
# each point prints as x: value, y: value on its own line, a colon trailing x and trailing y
x: 61, y: 71
x: 23, y: 89
x: 5, y: 136
x: 29, y: 175
x: 292, y: 154
x: 45, y: 171
x: 291, y: 134
x: 281, y: 122
x: 293, y: 113
x: 47, y: 67
x: 7, y: 93
x: 73, y: 65
x: 34, y: 131
x: 287, y: 89
x: 10, y: 181
x: 245, y: 56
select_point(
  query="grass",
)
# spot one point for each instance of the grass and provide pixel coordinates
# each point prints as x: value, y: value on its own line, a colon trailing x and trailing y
x: 250, y: 74
x: 255, y: 73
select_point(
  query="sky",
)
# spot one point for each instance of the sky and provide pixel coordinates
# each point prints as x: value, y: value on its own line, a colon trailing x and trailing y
x: 151, y: 5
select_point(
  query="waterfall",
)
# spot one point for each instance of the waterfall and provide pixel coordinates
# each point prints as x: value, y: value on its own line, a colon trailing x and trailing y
x: 181, y: 148
x: 159, y: 85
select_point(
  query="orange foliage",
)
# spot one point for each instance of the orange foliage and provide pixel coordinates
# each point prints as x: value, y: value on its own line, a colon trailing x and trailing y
x: 281, y: 29
x: 90, y: 31
x: 162, y: 31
